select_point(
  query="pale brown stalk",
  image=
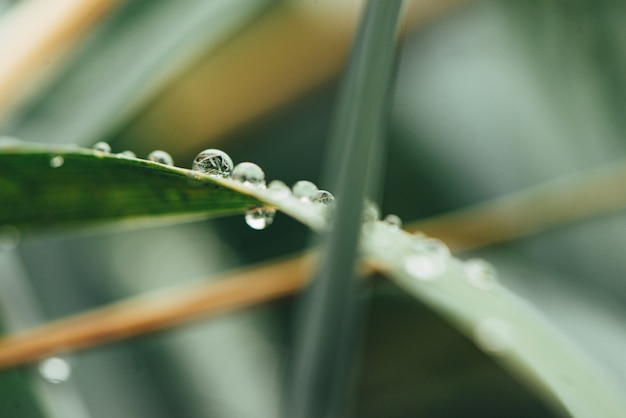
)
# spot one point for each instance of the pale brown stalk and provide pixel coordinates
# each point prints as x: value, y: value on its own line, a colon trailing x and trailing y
x: 33, y: 34
x: 157, y: 310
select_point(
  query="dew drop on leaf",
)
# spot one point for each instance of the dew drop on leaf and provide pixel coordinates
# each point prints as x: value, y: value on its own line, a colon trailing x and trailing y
x: 371, y: 213
x: 324, y: 197
x: 55, y: 370
x: 480, y: 273
x: 260, y: 218
x: 56, y: 162
x: 127, y: 154
x: 305, y: 191
x: 278, y: 189
x: 214, y: 162
x: 393, y: 221
x: 427, y: 258
x: 249, y: 174
x: 161, y: 157
x: 102, y: 147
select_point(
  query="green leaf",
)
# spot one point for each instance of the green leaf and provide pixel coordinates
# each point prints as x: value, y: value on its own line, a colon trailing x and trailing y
x: 90, y: 186
x: 505, y: 326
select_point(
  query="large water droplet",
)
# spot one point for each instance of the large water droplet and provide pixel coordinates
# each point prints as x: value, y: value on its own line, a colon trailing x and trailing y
x: 278, y: 189
x: 214, y: 162
x: 427, y: 258
x: 249, y: 174
x: 305, y: 191
x: 260, y: 218
x: 161, y: 157
x: 324, y: 197
x: 56, y: 162
x: 55, y: 370
x: 102, y: 147
x: 494, y: 335
x: 480, y: 273
x: 9, y: 237
x: 393, y: 222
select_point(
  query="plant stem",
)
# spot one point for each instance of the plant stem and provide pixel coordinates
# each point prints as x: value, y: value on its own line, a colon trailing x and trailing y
x: 328, y: 329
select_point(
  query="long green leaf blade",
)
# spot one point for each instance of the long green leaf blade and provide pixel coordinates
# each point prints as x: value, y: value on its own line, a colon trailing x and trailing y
x: 43, y: 186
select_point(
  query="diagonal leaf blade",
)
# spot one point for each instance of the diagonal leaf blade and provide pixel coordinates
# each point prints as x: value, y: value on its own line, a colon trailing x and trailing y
x: 43, y: 186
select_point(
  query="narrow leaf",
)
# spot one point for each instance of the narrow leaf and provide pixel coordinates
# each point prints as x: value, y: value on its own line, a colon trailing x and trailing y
x: 43, y: 186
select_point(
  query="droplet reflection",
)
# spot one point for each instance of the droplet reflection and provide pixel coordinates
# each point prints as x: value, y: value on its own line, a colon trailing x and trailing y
x: 161, y: 157
x: 214, y: 162
x: 249, y: 174
x: 260, y: 218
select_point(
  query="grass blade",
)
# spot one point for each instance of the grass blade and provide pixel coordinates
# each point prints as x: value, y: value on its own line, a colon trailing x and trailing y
x: 89, y: 187
x: 330, y: 308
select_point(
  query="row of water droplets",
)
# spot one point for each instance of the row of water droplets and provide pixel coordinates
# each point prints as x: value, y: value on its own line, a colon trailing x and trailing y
x: 217, y: 163
x: 427, y: 260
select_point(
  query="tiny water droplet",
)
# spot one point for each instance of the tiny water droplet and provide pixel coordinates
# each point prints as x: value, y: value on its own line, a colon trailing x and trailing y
x: 427, y: 258
x: 324, y: 197
x: 494, y: 335
x: 55, y: 370
x: 161, y: 157
x: 480, y: 273
x: 213, y: 161
x: 305, y: 191
x: 9, y: 237
x: 127, y: 154
x: 260, y: 218
x: 249, y: 174
x: 102, y: 147
x: 393, y: 222
x: 371, y: 213
x: 56, y: 162
x: 278, y: 189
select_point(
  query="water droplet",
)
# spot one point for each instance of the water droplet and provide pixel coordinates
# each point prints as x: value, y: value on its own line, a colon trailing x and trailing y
x: 249, y: 174
x: 56, y: 162
x: 324, y: 197
x: 305, y: 191
x: 102, y: 147
x: 55, y: 370
x: 278, y: 189
x: 260, y: 218
x: 494, y: 335
x: 393, y: 222
x: 480, y: 273
x: 9, y: 237
x: 427, y: 258
x: 127, y: 154
x: 161, y: 157
x: 214, y: 162
x: 371, y: 213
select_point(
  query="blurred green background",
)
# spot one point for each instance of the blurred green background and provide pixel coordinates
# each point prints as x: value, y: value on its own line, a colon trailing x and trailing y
x: 491, y: 97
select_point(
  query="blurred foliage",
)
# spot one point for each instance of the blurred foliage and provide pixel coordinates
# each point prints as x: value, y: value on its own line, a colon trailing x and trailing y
x: 492, y: 97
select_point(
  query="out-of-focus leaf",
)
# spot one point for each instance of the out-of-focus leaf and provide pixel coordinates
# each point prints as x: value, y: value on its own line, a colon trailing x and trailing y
x: 503, y: 325
x: 125, y: 63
